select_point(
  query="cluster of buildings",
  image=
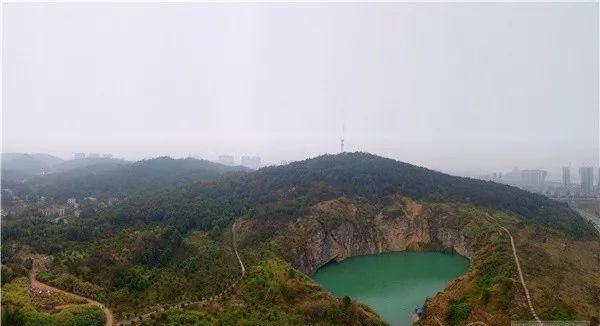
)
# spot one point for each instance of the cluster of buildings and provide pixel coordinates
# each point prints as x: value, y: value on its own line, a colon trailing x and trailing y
x: 253, y: 162
x: 535, y: 180
x: 57, y: 211
x: 227, y: 160
x: 78, y: 156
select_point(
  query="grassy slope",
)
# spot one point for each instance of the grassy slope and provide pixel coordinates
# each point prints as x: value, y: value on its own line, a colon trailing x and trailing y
x: 562, y: 274
x: 273, y: 293
x: 19, y: 308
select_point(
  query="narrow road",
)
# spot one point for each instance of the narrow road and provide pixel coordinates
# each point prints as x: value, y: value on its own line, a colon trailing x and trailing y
x: 204, y: 300
x: 521, y: 278
x: 590, y: 217
x: 42, y: 286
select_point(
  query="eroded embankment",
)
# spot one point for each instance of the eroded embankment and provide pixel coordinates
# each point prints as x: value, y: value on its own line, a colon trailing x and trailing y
x: 336, y: 230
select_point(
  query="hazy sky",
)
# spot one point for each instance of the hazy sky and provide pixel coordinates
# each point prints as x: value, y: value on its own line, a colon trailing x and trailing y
x: 453, y: 86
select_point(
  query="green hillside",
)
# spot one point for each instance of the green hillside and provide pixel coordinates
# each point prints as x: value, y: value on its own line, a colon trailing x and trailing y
x: 287, y: 191
x: 116, y: 178
x: 172, y: 246
x: 29, y: 164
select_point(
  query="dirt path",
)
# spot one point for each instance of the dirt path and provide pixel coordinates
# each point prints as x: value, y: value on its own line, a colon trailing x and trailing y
x: 161, y: 308
x: 236, y: 251
x: 521, y: 278
x: 43, y: 286
x: 519, y: 271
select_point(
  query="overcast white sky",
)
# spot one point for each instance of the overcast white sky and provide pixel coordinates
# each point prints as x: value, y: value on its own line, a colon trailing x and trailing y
x: 452, y: 86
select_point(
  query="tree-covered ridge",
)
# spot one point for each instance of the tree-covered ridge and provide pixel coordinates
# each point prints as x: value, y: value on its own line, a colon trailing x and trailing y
x: 29, y: 163
x: 119, y: 179
x: 288, y: 191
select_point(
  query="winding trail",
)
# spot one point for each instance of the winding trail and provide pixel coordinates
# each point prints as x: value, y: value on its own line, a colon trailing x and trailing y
x: 236, y: 251
x: 43, y: 286
x: 164, y: 307
x: 521, y: 278
x: 519, y: 271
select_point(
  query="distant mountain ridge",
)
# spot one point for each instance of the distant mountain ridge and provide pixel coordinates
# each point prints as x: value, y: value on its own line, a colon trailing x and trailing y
x: 40, y: 163
x: 29, y: 163
x: 110, y: 177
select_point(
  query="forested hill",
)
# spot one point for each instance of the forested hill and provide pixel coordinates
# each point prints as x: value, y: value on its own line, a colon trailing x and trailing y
x: 125, y: 179
x: 26, y: 164
x: 288, y: 191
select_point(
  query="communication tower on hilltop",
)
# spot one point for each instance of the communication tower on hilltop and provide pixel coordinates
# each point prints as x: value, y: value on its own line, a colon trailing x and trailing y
x: 342, y: 143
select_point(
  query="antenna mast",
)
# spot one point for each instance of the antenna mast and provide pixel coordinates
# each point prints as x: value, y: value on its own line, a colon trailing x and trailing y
x: 342, y: 144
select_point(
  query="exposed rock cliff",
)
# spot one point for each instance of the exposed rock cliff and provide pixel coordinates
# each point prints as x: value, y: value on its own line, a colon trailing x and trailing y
x: 340, y: 229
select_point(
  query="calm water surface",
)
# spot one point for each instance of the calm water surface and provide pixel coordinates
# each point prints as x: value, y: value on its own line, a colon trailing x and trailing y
x: 393, y: 283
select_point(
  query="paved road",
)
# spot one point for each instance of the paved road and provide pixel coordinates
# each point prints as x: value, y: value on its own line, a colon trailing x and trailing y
x: 42, y: 286
x: 589, y: 216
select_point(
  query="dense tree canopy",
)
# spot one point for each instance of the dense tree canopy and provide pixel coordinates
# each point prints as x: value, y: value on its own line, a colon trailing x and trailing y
x: 117, y: 179
x: 288, y: 191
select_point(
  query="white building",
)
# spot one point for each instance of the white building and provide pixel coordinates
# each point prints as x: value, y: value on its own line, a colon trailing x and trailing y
x: 226, y: 160
x: 251, y: 162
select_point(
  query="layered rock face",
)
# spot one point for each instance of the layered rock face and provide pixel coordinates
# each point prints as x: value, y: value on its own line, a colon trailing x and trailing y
x: 315, y: 240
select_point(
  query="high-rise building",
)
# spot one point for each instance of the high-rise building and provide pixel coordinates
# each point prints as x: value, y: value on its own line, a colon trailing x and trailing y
x: 79, y: 156
x: 533, y: 178
x: 226, y: 160
x: 107, y: 155
x: 94, y: 155
x: 586, y: 173
x: 513, y: 177
x: 251, y: 162
x: 566, y: 176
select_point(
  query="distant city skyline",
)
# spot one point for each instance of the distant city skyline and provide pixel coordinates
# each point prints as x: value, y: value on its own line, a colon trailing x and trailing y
x: 554, y: 173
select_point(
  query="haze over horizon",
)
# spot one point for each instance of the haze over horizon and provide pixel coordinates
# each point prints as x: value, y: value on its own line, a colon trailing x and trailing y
x: 450, y: 87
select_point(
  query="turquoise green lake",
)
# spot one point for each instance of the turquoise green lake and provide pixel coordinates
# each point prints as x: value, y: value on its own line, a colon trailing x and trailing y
x: 393, y: 284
